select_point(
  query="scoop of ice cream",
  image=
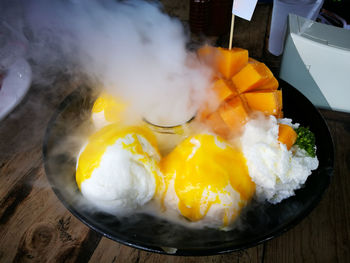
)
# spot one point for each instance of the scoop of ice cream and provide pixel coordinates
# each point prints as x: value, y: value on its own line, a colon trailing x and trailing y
x: 118, y: 168
x: 107, y: 109
x: 206, y: 181
x: 276, y: 171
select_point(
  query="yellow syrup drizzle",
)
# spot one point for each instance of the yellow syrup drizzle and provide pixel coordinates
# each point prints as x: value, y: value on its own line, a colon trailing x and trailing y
x: 112, y: 107
x: 147, y: 160
x: 100, y: 103
x: 200, y: 166
x: 91, y: 156
x: 163, y: 184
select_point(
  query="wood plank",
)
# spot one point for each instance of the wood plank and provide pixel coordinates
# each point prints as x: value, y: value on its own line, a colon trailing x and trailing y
x: 40, y: 229
x: 23, y: 130
x: 34, y: 226
x: 343, y: 117
x: 324, y: 236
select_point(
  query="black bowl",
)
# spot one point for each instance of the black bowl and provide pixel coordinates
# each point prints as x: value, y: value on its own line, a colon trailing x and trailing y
x: 263, y: 222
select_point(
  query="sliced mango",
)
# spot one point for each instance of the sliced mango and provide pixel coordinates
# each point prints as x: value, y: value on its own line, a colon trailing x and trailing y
x: 217, y: 124
x: 234, y: 113
x: 206, y: 54
x: 264, y: 101
x: 242, y: 85
x: 224, y: 61
x: 204, y: 112
x: 230, y: 62
x: 253, y: 77
x: 270, y: 84
x: 222, y: 89
x: 286, y: 135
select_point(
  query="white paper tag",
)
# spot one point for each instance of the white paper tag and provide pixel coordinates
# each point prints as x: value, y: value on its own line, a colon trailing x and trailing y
x: 244, y: 8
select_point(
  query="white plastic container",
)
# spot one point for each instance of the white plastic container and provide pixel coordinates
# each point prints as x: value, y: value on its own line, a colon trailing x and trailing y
x: 281, y: 8
x: 14, y: 86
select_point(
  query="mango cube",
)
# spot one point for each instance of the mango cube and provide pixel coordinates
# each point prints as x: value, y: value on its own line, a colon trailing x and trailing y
x: 253, y: 77
x: 230, y: 62
x: 286, y: 135
x: 234, y: 113
x: 206, y: 54
x: 218, y: 125
x: 222, y: 89
x: 267, y: 102
x: 242, y: 85
x: 224, y: 61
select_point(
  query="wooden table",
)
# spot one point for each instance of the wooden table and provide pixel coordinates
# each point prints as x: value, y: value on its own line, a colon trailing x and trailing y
x: 35, y: 226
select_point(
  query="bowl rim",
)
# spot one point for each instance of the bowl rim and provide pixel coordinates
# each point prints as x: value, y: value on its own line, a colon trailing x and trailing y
x: 183, y: 252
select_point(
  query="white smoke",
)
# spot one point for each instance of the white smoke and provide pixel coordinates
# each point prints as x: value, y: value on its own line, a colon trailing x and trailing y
x: 131, y: 47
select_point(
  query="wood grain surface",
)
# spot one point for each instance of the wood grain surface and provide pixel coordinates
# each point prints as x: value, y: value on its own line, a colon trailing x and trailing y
x: 35, y: 226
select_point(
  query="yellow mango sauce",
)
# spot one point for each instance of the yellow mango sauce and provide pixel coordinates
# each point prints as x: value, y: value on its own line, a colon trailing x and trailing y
x: 98, y: 142
x: 203, y: 166
x: 111, y: 106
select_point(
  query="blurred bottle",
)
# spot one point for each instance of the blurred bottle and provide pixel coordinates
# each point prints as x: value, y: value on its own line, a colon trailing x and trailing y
x: 219, y: 17
x: 199, y: 16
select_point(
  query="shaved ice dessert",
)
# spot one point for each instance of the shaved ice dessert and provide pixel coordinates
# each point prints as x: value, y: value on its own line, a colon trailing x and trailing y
x: 276, y: 171
x: 118, y: 169
x: 206, y: 181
